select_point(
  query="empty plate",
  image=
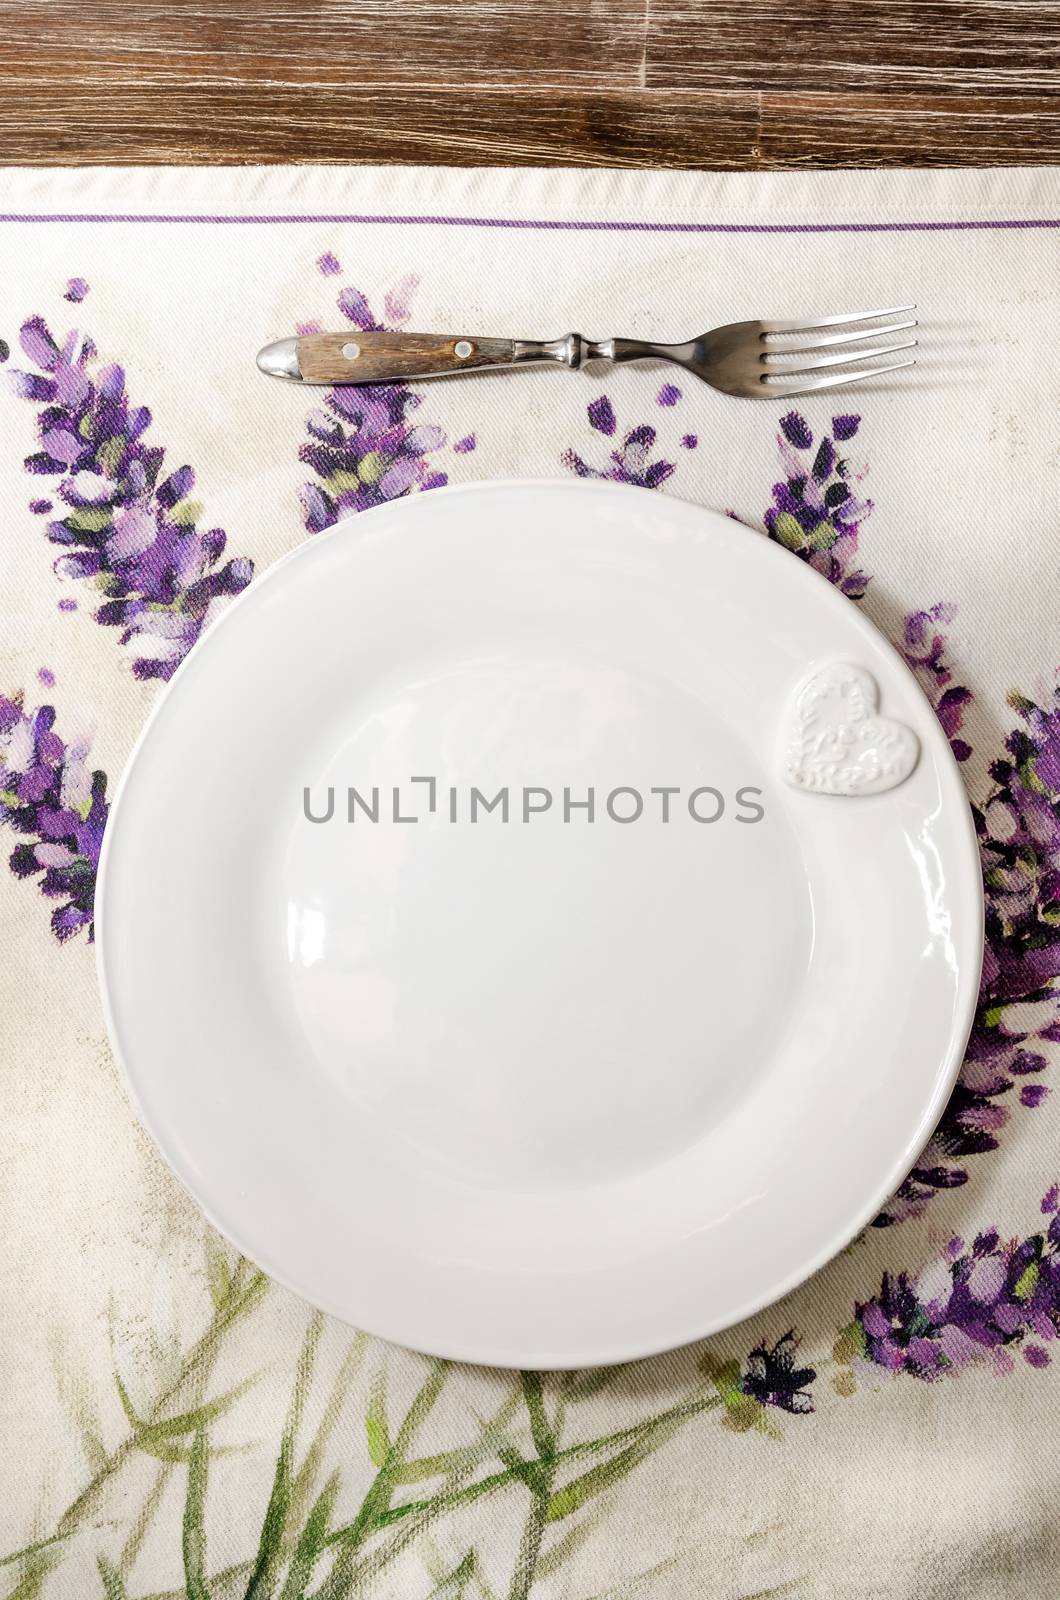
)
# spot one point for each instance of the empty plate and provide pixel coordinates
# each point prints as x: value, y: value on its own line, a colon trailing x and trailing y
x: 541, y: 922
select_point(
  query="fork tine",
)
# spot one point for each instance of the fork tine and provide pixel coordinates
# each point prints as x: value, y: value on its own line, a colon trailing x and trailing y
x: 874, y: 332
x: 843, y: 359
x: 783, y: 391
x: 834, y: 322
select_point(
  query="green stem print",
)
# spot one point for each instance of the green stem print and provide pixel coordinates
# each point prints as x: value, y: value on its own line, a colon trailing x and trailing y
x: 160, y: 1433
x: 546, y: 1440
x: 301, y: 1554
x: 979, y: 1304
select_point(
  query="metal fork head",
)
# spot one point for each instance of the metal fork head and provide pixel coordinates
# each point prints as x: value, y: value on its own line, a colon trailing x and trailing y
x: 778, y: 360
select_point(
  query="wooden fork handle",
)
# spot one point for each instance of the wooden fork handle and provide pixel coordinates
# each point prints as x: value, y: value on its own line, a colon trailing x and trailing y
x: 391, y: 357
x: 382, y: 357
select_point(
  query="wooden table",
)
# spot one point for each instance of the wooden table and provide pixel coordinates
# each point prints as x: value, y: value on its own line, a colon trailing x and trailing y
x: 629, y: 83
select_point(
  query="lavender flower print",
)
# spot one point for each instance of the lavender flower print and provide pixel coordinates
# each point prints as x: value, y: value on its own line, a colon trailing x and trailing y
x: 769, y: 1380
x: 923, y: 646
x: 362, y: 447
x: 632, y: 462
x: 968, y: 1307
x: 1019, y: 834
x: 49, y: 794
x: 773, y: 1378
x: 816, y: 512
x: 817, y: 515
x: 1019, y: 1001
x: 122, y: 523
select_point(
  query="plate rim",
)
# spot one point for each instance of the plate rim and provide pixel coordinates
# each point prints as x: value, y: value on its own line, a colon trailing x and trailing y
x: 469, y: 1350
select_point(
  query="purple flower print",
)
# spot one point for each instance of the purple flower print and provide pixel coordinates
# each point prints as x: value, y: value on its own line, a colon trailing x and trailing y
x: 355, y: 308
x: 632, y: 462
x: 923, y: 646
x: 1019, y: 1000
x: 796, y: 430
x: 816, y: 512
x: 773, y: 1378
x: 397, y: 301
x: 1019, y: 834
x: 49, y: 794
x: 769, y: 1379
x: 76, y: 291
x: 121, y: 522
x: 362, y: 447
x: 966, y: 1307
x: 602, y: 416
x: 816, y: 515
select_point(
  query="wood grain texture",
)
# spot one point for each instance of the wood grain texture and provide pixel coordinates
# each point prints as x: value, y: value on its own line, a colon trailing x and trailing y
x: 627, y: 83
x: 378, y: 357
x: 997, y: 47
x: 130, y: 122
x: 454, y: 43
x: 905, y: 130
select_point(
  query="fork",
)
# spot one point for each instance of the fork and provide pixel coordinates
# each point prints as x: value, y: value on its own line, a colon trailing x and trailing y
x: 742, y: 358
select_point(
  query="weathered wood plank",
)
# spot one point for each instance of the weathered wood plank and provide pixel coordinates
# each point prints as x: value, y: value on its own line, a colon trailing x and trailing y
x: 130, y: 120
x: 896, y: 130
x: 678, y: 83
x: 995, y: 47
x: 445, y: 43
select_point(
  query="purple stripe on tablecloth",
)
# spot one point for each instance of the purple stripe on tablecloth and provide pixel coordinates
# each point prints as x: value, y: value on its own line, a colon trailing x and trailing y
x: 552, y: 225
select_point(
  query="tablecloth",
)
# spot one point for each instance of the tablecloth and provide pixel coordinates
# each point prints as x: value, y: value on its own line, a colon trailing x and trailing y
x: 175, y: 1424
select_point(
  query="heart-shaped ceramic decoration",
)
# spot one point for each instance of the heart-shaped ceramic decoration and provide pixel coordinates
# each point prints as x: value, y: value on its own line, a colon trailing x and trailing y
x: 837, y: 741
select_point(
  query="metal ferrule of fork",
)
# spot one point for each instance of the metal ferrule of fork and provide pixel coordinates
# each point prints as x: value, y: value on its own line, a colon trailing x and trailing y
x: 574, y: 350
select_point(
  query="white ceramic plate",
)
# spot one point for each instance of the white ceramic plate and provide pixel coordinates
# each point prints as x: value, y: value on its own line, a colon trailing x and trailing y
x: 541, y: 1092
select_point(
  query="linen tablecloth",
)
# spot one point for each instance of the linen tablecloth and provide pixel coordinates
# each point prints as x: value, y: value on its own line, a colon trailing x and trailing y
x: 173, y: 1423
